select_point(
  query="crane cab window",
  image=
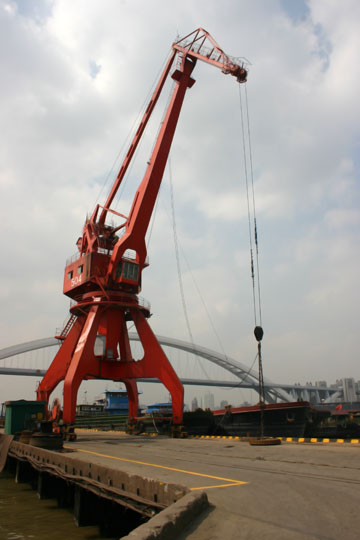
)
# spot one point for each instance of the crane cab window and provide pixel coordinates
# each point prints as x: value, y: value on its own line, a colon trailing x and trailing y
x: 70, y: 274
x: 130, y: 271
x: 80, y: 269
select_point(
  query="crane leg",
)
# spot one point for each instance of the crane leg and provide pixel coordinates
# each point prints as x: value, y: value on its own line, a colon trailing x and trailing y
x: 156, y: 364
x: 83, y: 363
x: 76, y: 361
x: 57, y: 370
x: 132, y: 391
x: 130, y: 384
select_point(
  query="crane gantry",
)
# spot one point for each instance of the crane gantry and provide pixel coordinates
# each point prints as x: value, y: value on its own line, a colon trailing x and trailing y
x: 104, y: 278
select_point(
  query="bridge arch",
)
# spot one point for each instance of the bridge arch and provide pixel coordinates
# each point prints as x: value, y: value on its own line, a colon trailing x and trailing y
x: 246, y: 376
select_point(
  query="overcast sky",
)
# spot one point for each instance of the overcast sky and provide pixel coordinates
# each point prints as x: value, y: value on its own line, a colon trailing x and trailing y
x: 74, y: 77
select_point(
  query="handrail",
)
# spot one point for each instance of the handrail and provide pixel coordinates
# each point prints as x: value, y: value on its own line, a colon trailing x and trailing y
x: 128, y: 254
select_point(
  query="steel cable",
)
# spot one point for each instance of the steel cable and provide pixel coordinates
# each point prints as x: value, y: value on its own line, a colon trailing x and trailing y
x: 248, y: 206
x: 178, y: 266
x: 254, y: 208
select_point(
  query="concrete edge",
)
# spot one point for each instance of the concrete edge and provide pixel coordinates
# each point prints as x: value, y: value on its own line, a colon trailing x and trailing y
x: 284, y: 439
x: 5, y: 442
x: 169, y: 523
x: 320, y: 440
x: 238, y: 438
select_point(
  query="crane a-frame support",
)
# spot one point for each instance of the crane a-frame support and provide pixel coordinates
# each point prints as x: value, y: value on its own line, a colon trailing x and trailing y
x: 108, y: 319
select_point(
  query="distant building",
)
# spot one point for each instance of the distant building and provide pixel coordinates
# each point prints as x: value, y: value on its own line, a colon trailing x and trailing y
x: 160, y: 408
x: 86, y: 409
x: 194, y: 404
x: 349, y: 389
x: 321, y: 384
x: 115, y: 402
x: 223, y: 404
x: 209, y: 401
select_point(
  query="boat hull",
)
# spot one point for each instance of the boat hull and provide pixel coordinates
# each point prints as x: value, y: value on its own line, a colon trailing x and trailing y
x: 333, y: 424
x: 280, y: 420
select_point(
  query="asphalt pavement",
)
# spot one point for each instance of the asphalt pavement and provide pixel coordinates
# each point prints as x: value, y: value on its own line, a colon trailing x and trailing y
x: 288, y: 492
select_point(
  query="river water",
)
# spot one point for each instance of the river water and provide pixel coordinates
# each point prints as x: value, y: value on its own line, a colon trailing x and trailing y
x: 24, y: 516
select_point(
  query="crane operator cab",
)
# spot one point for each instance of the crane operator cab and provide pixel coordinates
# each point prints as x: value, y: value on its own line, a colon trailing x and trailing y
x: 85, y: 273
x: 127, y: 271
x: 127, y: 275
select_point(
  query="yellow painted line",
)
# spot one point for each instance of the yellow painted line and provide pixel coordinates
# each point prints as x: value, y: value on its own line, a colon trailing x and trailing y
x: 157, y: 466
x: 218, y: 486
x: 100, y: 430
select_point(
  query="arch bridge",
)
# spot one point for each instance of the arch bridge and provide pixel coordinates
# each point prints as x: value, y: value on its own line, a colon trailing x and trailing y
x: 245, y: 377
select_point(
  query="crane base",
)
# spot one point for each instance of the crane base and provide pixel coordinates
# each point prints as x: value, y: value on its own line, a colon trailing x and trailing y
x: 78, y: 359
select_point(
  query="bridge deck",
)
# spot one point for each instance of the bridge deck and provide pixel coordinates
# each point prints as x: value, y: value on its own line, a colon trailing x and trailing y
x: 243, y: 376
x: 290, y: 491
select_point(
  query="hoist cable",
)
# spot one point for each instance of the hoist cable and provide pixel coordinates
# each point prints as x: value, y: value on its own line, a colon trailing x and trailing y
x: 127, y: 138
x: 203, y: 303
x: 132, y: 129
x: 258, y: 331
x: 206, y: 309
x: 121, y: 191
x: 178, y: 266
x: 135, y: 155
x: 113, y: 164
x: 247, y: 373
x: 254, y: 208
x: 248, y: 205
x: 181, y: 249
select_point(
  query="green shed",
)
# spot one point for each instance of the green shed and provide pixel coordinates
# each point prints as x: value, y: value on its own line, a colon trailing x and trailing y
x: 22, y: 414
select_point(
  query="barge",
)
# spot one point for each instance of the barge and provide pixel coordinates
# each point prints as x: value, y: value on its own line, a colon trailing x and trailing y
x: 280, y: 420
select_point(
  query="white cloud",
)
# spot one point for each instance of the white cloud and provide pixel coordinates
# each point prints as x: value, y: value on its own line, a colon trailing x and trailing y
x: 62, y: 127
x: 342, y: 218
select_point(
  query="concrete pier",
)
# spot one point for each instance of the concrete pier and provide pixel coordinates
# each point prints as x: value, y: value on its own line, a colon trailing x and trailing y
x: 292, y: 491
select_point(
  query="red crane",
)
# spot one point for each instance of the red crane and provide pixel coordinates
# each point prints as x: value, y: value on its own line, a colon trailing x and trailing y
x: 104, y: 278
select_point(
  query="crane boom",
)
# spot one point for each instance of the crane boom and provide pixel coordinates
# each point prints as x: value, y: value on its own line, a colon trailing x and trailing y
x: 100, y: 247
x: 194, y: 46
x: 145, y: 197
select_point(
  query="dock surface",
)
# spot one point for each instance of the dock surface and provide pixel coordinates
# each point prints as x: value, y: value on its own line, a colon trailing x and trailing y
x: 292, y: 491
